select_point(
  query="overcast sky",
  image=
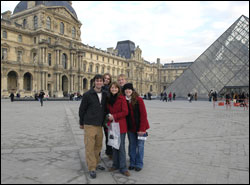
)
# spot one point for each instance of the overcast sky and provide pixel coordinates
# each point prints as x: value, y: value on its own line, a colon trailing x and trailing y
x: 178, y: 31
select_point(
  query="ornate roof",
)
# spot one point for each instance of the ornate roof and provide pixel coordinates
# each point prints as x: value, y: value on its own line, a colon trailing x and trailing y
x: 23, y: 5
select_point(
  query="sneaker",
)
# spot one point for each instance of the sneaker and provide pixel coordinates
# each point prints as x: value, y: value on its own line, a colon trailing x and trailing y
x: 112, y: 169
x: 131, y: 168
x: 92, y: 174
x: 99, y: 167
x: 137, y: 169
x: 126, y: 173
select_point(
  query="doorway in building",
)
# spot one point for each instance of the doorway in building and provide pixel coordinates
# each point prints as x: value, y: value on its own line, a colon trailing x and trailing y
x: 12, y: 81
x: 65, y: 86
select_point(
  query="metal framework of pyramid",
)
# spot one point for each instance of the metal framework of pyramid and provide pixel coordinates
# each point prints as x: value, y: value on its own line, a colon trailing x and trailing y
x: 224, y: 64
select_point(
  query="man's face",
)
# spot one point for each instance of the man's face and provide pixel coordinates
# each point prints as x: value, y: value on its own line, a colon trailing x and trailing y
x: 122, y: 81
x: 106, y: 80
x: 98, y: 83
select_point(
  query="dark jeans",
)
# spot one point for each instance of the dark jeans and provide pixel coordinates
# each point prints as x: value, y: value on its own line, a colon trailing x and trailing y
x: 119, y: 156
x: 136, y: 150
x: 41, y: 100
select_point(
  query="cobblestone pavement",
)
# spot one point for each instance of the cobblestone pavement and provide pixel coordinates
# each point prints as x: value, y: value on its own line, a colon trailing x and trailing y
x: 187, y: 143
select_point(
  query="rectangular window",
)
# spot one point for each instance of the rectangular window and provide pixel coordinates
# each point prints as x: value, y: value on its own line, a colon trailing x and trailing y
x: 4, y: 54
x: 19, y: 56
x: 49, y: 59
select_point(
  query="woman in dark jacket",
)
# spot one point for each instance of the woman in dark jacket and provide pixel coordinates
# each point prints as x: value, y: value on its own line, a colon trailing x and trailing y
x: 118, y: 110
x: 137, y: 126
x: 107, y: 81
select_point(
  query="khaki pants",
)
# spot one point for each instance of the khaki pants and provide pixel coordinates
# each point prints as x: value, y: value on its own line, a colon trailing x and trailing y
x: 93, y: 145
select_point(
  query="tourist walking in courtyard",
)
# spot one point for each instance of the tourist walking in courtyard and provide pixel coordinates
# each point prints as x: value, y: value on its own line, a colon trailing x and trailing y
x: 12, y: 97
x: 174, y: 95
x: 92, y: 114
x: 214, y: 97
x: 170, y: 96
x: 41, y: 96
x: 118, y: 110
x: 137, y: 123
x: 228, y: 104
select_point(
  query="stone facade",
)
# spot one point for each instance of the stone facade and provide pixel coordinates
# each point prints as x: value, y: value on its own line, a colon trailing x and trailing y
x: 41, y: 49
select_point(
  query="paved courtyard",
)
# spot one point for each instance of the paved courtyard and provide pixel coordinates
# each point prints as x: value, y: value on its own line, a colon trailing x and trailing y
x: 187, y: 143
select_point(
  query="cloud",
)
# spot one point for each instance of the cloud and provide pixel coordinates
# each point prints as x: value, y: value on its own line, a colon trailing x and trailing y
x: 170, y: 30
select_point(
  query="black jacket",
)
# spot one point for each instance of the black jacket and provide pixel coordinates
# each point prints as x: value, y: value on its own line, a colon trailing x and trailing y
x: 91, y: 112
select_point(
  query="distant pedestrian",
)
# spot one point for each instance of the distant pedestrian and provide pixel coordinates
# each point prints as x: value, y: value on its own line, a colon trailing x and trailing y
x: 174, y: 95
x: 214, y: 97
x: 41, y: 96
x: 228, y: 104
x: 195, y: 96
x: 149, y: 95
x: 161, y: 96
x: 165, y: 97
x: 137, y: 123
x: 12, y: 97
x: 170, y: 96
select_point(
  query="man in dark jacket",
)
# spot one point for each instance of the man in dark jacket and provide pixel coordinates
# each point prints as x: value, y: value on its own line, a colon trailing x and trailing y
x: 92, y: 114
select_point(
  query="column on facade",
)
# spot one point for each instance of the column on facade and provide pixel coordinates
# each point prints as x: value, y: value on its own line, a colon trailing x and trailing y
x: 4, y: 83
x: 58, y: 57
x: 20, y: 83
x: 79, y: 84
x: 41, y: 82
x: 60, y: 82
x: 46, y: 80
x: 45, y: 56
x: 71, y: 60
x: 70, y: 82
x: 43, y: 51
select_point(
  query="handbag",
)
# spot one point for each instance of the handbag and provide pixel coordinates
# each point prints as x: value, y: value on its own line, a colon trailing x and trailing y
x: 114, y: 137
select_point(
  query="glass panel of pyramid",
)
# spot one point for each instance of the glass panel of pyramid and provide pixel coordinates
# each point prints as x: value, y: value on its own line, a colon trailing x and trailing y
x: 224, y: 64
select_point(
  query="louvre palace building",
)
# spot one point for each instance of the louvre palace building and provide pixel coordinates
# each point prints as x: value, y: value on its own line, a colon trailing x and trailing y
x: 41, y: 49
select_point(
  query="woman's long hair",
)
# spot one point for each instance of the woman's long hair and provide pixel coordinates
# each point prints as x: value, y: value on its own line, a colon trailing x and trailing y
x: 134, y: 96
x: 111, y: 97
x: 108, y: 74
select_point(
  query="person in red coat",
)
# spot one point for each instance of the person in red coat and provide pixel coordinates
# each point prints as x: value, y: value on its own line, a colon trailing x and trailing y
x: 118, y: 110
x: 137, y: 123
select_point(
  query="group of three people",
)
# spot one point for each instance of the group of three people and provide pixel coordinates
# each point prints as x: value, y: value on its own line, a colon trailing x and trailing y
x: 118, y: 102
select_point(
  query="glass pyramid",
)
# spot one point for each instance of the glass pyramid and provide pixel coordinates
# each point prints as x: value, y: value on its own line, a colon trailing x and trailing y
x: 223, y: 65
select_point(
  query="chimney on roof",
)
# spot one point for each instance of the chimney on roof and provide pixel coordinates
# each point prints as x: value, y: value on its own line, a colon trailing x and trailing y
x: 6, y: 15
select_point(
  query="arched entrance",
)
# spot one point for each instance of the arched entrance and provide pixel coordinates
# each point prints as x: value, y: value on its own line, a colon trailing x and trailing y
x: 85, y: 83
x: 65, y: 85
x: 12, y: 81
x: 92, y: 83
x: 27, y: 81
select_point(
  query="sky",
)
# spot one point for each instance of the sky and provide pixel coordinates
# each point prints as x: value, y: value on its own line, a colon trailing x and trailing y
x: 178, y: 31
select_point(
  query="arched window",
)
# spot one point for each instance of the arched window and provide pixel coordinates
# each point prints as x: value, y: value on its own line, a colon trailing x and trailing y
x: 73, y: 32
x: 35, y: 22
x: 20, y: 39
x: 62, y: 28
x: 48, y: 23
x: 24, y: 23
x: 27, y: 82
x: 64, y: 61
